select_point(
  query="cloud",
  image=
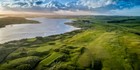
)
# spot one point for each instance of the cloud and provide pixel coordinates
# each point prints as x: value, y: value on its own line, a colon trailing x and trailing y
x: 102, y: 6
x: 62, y: 12
x: 89, y: 4
x: 95, y: 3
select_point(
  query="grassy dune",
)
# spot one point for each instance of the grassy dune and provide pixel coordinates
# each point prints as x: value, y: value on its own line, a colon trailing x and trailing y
x: 103, y: 43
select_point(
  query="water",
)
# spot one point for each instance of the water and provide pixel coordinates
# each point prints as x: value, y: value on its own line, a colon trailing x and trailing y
x: 46, y: 27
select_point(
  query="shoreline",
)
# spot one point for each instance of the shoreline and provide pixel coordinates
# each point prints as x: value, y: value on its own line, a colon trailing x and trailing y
x: 66, y: 23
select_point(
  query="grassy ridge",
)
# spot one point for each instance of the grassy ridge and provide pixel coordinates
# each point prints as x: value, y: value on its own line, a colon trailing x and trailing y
x: 14, y: 20
x: 103, y: 43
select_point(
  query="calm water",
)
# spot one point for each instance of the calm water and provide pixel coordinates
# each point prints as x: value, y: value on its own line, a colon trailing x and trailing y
x: 45, y: 28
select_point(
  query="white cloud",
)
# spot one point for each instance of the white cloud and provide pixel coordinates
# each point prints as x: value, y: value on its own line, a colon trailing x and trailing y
x: 30, y: 3
x: 62, y: 12
x: 95, y: 3
x: 78, y: 12
x: 73, y: 7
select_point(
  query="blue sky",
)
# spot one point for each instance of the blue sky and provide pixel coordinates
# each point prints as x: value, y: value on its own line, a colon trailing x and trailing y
x: 110, y: 7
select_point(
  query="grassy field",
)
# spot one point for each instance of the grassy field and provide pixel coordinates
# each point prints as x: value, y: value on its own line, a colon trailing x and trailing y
x: 103, y: 43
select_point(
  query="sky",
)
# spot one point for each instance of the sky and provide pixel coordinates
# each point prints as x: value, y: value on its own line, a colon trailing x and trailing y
x: 73, y: 7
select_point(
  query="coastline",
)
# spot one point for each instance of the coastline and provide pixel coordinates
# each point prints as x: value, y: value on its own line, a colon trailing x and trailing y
x: 72, y: 26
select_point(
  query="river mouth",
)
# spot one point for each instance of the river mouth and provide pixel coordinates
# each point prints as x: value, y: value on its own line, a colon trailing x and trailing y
x: 46, y: 27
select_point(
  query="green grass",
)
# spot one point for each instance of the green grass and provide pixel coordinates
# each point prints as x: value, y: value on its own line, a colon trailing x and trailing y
x: 99, y: 45
x: 47, y: 61
x: 86, y: 59
x: 15, y: 64
x: 31, y: 40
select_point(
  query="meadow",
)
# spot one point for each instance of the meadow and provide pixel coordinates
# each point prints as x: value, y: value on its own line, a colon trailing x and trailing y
x: 102, y: 43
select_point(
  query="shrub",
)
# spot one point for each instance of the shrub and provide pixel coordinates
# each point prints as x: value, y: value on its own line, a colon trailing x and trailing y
x: 24, y: 67
x: 4, y: 52
x: 66, y: 51
x: 71, y: 47
x: 51, y: 43
x: 56, y: 50
x: 20, y: 63
x: 98, y: 65
x: 65, y: 67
